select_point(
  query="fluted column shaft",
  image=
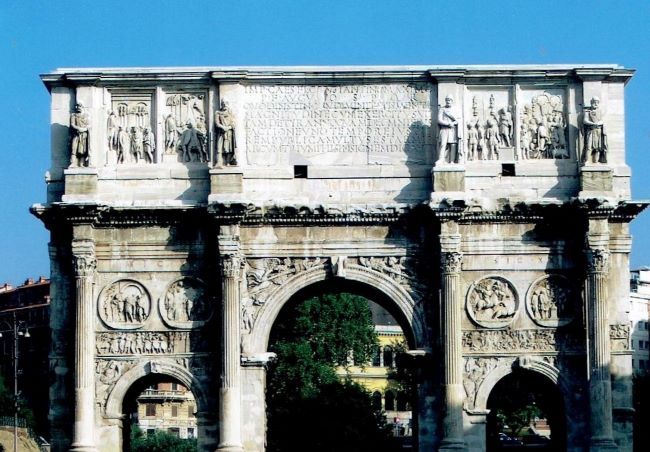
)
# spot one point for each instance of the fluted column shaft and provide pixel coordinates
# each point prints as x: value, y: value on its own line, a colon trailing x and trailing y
x: 230, y: 385
x: 452, y: 337
x: 83, y: 439
x: 600, y: 386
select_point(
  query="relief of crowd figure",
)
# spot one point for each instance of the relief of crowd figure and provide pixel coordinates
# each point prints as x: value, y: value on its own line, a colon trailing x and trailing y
x: 543, y: 129
x: 492, y: 300
x: 486, y: 138
x: 125, y: 305
x: 130, y: 136
x: 148, y: 343
x: 184, y: 302
x: 185, y: 128
x: 550, y: 301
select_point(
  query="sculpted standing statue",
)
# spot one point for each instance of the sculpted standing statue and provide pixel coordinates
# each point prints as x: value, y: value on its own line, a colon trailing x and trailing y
x: 226, y: 145
x: 594, y: 133
x: 448, y: 149
x: 80, y: 133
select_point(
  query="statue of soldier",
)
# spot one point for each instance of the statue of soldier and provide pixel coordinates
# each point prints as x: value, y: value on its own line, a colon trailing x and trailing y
x: 80, y: 132
x: 448, y: 150
x: 594, y: 133
x: 226, y: 144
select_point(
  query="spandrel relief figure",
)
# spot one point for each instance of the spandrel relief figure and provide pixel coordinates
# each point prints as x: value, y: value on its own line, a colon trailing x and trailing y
x: 543, y: 128
x: 124, y: 304
x: 224, y: 122
x: 492, y: 302
x: 449, y: 150
x: 80, y: 137
x: 595, y: 137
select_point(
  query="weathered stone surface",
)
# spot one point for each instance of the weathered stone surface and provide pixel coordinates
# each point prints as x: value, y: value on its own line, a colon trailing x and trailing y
x: 200, y: 201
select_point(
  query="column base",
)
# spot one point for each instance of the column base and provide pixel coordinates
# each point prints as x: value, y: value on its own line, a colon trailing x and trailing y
x: 452, y: 444
x: 229, y: 448
x: 598, y: 444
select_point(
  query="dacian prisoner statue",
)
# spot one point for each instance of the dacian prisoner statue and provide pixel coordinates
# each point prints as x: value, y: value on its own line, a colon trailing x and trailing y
x: 448, y: 143
x: 80, y: 137
x: 595, y: 137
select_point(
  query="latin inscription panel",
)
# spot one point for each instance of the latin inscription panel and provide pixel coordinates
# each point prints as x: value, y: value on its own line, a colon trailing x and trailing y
x: 338, y: 125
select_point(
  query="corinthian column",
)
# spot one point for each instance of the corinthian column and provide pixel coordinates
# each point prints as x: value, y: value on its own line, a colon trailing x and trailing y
x: 83, y: 254
x: 452, y: 309
x: 600, y: 386
x: 230, y: 388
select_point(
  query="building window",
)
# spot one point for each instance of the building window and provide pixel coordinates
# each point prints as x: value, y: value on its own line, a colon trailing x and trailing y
x: 642, y: 363
x: 390, y: 401
x: 174, y: 386
x: 151, y: 431
x: 376, y: 357
x: 190, y: 432
x: 376, y: 401
x: 190, y: 411
x: 151, y: 409
x: 175, y: 431
x: 174, y: 410
x: 388, y: 356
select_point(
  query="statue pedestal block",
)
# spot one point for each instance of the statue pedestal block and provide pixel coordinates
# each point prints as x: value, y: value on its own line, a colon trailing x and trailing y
x: 80, y: 184
x: 595, y: 180
x: 226, y: 180
x: 448, y: 179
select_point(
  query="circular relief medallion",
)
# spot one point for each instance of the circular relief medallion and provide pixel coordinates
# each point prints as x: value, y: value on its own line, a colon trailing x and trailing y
x: 125, y: 304
x: 549, y: 301
x: 185, y: 304
x: 492, y: 302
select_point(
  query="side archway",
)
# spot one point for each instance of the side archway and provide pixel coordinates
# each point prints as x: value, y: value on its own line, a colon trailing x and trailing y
x: 386, y: 291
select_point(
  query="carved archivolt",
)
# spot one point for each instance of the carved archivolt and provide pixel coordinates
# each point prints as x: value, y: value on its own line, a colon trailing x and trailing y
x: 551, y: 302
x: 124, y: 304
x: 186, y: 304
x: 492, y: 302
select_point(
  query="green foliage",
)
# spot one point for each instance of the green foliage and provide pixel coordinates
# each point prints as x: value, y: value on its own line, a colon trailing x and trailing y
x: 402, y: 377
x: 7, y: 405
x: 160, y: 441
x: 309, y: 408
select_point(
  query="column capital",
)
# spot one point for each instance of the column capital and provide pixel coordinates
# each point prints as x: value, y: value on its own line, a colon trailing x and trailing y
x: 83, y: 257
x: 597, y: 260
x: 232, y: 265
x: 451, y: 262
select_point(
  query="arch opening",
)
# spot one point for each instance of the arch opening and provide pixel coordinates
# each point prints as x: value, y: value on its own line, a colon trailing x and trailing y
x: 159, y: 409
x: 363, y: 385
x: 526, y: 411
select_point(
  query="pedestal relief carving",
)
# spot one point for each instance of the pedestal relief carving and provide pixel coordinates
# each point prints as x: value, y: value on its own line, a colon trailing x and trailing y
x: 492, y: 302
x: 186, y: 304
x: 79, y: 137
x: 129, y: 129
x: 619, y: 336
x: 594, y: 133
x: 543, y: 124
x: 143, y: 343
x: 551, y: 302
x: 489, y: 125
x: 124, y: 304
x: 517, y: 341
x: 185, y: 126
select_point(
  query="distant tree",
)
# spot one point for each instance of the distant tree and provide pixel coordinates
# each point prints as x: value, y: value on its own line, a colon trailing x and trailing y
x: 7, y: 405
x: 309, y: 407
x: 160, y: 441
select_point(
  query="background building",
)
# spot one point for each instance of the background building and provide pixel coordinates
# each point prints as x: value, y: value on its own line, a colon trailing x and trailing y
x: 639, y: 316
x: 167, y: 406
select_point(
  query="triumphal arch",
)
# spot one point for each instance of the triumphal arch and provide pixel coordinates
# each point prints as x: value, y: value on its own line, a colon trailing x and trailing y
x: 486, y: 207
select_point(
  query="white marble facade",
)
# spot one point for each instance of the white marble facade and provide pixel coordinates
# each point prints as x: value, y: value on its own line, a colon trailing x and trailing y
x: 194, y: 202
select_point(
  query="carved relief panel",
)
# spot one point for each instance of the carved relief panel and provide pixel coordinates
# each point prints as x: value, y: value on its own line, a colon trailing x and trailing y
x: 543, y: 125
x: 124, y: 304
x: 185, y: 126
x: 129, y: 128
x: 551, y: 302
x: 492, y: 302
x: 186, y: 304
x: 142, y: 343
x: 489, y: 124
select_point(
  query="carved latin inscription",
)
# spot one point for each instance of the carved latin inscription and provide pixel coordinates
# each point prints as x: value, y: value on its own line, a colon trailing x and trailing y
x: 364, y: 123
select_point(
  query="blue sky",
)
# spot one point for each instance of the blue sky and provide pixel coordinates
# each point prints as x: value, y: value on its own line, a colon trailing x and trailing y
x: 39, y: 36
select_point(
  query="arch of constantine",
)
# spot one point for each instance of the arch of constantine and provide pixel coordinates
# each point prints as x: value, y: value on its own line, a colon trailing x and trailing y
x: 486, y: 207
